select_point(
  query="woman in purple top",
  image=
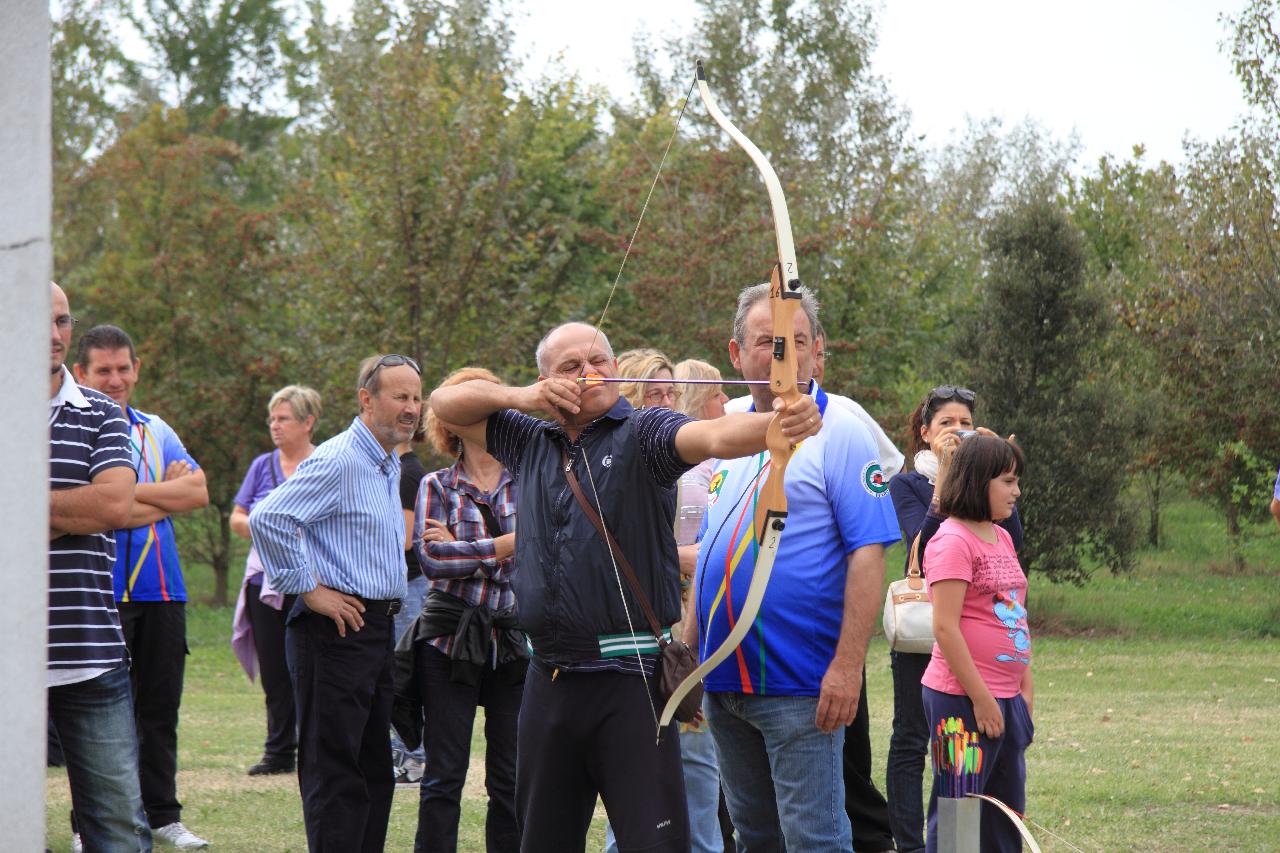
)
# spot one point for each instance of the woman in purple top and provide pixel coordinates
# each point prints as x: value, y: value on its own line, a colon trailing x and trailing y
x: 258, y: 631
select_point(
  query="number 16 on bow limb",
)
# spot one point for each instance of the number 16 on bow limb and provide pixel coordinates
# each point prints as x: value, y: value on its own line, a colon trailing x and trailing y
x: 771, y: 506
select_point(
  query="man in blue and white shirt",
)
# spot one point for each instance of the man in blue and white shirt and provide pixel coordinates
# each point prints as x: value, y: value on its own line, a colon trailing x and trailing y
x: 333, y: 534
x: 91, y: 485
x: 149, y: 588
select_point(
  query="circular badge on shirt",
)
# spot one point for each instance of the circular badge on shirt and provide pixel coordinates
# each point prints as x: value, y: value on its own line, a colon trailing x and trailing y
x: 713, y: 489
x: 873, y: 480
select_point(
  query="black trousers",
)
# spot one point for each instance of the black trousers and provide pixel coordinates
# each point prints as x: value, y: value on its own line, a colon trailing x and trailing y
x: 450, y: 709
x: 156, y: 634
x: 273, y: 670
x: 868, y: 812
x: 588, y: 733
x: 343, y: 693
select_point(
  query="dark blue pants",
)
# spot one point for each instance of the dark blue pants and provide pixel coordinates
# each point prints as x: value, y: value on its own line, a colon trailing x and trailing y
x: 343, y: 691
x: 450, y: 709
x: 1001, y: 773
x: 908, y: 746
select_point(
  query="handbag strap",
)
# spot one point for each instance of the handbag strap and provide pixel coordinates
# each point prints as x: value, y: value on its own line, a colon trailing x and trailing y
x: 913, y: 562
x: 612, y: 544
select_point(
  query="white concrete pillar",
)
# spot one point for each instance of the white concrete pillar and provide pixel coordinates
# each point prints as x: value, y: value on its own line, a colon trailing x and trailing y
x: 26, y: 262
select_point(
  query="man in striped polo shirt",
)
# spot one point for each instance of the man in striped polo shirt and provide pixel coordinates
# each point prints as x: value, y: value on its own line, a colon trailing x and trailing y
x: 333, y: 534
x: 150, y: 593
x: 91, y: 484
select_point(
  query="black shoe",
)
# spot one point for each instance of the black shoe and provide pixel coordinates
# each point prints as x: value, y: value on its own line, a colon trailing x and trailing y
x: 272, y: 766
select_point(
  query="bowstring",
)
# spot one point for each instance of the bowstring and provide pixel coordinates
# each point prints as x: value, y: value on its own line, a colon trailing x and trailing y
x: 635, y: 642
x: 635, y: 232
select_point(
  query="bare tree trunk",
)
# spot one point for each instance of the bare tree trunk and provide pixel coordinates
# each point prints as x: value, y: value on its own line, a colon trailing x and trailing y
x: 1235, y: 537
x: 1154, y: 483
x: 221, y: 559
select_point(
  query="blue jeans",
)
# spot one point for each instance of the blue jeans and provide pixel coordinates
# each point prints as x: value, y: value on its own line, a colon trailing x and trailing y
x: 94, y: 720
x: 701, y: 789
x: 783, y: 777
x: 409, y: 610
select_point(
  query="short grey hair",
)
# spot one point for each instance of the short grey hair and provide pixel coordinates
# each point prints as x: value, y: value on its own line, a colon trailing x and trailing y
x: 753, y: 294
x: 540, y: 354
x: 304, y: 401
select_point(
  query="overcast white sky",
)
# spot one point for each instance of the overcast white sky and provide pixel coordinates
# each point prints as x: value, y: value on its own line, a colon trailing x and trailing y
x: 1117, y: 72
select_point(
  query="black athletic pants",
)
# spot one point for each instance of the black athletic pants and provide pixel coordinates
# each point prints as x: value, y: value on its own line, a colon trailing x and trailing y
x: 868, y: 812
x: 343, y: 692
x: 156, y: 634
x: 273, y: 670
x: 588, y: 733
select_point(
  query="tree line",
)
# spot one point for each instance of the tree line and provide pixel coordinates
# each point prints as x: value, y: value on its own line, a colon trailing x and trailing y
x: 261, y: 196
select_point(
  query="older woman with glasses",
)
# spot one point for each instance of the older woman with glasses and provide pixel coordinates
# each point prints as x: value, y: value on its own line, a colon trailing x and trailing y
x: 937, y: 426
x: 258, y: 632
x: 648, y: 364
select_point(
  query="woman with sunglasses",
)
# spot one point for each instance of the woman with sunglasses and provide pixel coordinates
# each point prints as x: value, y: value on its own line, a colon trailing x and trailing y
x: 934, y: 436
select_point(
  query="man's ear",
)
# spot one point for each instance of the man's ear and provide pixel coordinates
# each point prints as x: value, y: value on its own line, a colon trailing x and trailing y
x: 735, y: 354
x: 365, y: 396
x: 137, y: 366
x: 78, y: 372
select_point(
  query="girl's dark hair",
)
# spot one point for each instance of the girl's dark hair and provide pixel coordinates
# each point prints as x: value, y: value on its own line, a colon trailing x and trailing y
x: 977, y: 461
x: 929, y: 406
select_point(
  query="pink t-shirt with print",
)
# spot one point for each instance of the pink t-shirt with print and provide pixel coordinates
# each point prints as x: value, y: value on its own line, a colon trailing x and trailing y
x: 993, y: 619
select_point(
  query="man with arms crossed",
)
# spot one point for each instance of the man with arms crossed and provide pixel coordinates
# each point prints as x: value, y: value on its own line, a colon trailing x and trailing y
x: 333, y: 534
x: 91, y: 484
x: 589, y: 712
x: 150, y: 593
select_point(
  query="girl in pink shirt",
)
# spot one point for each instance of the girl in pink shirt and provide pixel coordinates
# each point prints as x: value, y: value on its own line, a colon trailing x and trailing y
x: 977, y: 689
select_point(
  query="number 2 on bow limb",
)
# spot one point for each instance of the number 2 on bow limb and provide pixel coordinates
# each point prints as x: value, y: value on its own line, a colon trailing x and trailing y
x: 771, y: 505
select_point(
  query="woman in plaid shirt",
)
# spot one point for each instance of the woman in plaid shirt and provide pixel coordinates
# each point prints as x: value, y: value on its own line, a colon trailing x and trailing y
x: 468, y: 651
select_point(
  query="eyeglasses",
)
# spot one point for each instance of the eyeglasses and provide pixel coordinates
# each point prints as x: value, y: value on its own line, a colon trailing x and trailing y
x: 655, y: 396
x: 390, y: 361
x: 64, y: 322
x: 943, y: 393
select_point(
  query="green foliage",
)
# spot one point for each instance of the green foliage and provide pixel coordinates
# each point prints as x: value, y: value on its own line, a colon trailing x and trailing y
x: 220, y: 61
x: 439, y: 213
x: 1255, y: 52
x: 190, y: 272
x: 1030, y: 348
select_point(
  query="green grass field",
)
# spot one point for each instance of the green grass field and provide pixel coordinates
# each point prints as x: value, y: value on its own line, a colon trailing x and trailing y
x: 1157, y: 714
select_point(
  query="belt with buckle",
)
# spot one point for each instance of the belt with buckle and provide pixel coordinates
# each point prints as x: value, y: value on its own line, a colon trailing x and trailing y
x: 381, y: 606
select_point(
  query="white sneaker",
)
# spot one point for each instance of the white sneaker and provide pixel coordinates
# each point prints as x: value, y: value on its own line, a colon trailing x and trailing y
x: 77, y: 846
x: 177, y: 835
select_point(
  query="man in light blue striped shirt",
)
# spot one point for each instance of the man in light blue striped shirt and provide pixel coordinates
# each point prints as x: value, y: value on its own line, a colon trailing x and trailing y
x: 334, y: 534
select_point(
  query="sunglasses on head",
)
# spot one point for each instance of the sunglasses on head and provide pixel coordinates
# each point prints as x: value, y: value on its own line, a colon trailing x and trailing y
x: 946, y: 393
x: 390, y: 361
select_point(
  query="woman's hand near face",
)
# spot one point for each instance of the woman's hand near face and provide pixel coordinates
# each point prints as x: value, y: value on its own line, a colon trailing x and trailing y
x: 944, y: 442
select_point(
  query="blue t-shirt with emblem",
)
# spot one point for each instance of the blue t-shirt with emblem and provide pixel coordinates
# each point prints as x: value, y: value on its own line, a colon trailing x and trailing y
x: 837, y: 501
x: 147, y: 567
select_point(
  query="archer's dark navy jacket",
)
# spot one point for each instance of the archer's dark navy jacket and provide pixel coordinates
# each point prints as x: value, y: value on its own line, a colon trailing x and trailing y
x: 567, y: 594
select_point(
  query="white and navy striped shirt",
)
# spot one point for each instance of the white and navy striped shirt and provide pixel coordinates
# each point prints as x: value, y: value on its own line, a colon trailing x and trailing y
x: 87, y: 435
x: 337, y: 521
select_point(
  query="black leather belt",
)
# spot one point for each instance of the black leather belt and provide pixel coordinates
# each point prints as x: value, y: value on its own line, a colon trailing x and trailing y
x: 381, y: 606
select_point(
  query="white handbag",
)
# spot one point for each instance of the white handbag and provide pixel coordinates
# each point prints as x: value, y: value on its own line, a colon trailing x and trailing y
x: 908, y: 613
